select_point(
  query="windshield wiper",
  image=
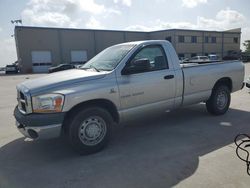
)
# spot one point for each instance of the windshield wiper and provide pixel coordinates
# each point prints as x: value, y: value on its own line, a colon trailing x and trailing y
x: 91, y: 67
x: 97, y: 70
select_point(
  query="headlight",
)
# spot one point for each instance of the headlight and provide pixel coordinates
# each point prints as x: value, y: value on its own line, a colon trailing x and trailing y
x: 48, y: 103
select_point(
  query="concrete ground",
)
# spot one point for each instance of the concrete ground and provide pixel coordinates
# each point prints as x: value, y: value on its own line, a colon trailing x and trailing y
x: 184, y: 148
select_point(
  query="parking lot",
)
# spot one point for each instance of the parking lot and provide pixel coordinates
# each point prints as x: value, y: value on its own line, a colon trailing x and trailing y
x: 183, y: 148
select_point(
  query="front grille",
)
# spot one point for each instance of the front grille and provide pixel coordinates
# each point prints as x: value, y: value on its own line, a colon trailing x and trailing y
x: 23, y: 105
x: 23, y: 101
x: 22, y: 95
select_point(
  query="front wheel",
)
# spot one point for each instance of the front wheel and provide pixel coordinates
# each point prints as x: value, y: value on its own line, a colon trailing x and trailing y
x: 219, y: 101
x: 90, y: 130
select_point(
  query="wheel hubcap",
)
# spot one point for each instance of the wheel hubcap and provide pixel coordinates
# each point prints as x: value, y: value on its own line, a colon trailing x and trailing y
x: 92, y: 130
x: 222, y: 100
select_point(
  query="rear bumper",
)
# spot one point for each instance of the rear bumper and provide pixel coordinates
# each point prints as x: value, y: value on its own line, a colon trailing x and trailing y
x: 42, y: 126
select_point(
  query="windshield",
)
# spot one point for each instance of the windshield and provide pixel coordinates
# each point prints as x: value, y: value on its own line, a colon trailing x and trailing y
x: 109, y: 58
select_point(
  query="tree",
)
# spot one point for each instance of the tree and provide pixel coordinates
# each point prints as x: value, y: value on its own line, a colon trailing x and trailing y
x: 247, y: 45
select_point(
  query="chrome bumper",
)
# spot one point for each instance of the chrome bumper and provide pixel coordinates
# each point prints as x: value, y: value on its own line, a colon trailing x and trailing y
x: 42, y: 126
x: 44, y: 132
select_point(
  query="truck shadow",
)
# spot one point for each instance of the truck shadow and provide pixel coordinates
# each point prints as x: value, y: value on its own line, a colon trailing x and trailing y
x: 154, y: 152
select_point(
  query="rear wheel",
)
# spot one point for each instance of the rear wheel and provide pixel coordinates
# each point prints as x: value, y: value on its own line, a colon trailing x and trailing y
x: 90, y: 130
x: 219, y: 101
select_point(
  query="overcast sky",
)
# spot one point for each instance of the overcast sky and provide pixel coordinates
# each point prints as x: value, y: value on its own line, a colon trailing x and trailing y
x: 121, y: 14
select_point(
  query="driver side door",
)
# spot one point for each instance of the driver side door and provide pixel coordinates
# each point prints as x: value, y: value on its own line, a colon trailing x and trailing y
x: 149, y: 89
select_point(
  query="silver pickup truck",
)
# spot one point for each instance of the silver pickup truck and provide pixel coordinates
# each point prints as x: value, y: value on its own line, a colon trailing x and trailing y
x: 123, y: 81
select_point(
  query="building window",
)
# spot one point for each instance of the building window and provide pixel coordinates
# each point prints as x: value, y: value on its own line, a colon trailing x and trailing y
x: 181, y: 56
x: 169, y: 39
x: 181, y: 39
x: 193, y: 54
x: 213, y: 39
x: 194, y: 39
x: 206, y: 39
x: 206, y: 54
x: 235, y: 39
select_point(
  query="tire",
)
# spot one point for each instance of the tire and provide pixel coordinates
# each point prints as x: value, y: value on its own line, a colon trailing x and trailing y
x: 90, y: 130
x: 219, y: 101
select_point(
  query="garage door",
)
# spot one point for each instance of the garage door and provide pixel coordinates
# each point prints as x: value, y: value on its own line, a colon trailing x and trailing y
x: 41, y: 61
x: 78, y: 56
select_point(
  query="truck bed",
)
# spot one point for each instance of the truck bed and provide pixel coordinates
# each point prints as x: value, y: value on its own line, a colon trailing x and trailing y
x: 191, y: 64
x: 199, y: 79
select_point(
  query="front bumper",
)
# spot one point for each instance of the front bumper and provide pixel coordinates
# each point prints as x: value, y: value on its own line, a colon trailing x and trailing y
x: 42, y: 126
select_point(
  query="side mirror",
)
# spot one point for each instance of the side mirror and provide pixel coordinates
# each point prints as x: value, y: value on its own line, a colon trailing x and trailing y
x: 137, y: 66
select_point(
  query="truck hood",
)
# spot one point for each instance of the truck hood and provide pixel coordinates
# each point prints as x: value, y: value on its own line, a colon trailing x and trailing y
x: 61, y: 79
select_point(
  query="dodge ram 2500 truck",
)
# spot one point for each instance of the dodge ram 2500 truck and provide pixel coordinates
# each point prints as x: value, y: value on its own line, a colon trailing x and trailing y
x: 123, y: 81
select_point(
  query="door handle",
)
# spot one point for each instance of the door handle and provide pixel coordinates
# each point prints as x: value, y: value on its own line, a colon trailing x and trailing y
x: 168, y: 77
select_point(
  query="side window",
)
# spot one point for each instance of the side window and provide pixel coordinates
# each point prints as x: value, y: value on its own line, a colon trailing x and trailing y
x: 155, y: 55
x: 194, y: 39
x: 213, y: 39
x: 181, y: 39
x: 206, y: 39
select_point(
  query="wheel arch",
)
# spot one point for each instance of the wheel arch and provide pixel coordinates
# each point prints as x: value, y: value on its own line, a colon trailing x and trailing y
x: 224, y: 81
x: 103, y: 103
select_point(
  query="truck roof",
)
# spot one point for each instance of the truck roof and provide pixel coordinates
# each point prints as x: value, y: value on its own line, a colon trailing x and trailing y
x: 144, y: 41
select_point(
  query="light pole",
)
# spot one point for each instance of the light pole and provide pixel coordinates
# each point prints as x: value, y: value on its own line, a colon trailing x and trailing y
x: 16, y: 22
